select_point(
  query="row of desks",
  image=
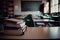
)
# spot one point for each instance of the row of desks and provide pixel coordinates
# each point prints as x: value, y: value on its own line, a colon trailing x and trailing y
x: 36, y: 19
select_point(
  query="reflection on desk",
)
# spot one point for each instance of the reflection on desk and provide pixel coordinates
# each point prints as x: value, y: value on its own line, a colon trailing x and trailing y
x: 43, y: 20
x: 21, y: 17
x: 55, y: 16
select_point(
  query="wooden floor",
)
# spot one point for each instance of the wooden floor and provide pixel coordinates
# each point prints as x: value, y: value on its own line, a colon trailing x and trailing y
x: 33, y: 33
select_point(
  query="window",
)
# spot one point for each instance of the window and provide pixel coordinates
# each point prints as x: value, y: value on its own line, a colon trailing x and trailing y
x: 46, y: 8
x: 54, y: 6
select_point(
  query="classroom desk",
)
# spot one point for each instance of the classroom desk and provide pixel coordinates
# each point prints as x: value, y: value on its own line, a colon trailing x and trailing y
x: 21, y: 17
x: 46, y: 22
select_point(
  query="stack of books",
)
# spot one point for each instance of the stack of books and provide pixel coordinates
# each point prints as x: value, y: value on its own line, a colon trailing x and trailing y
x: 14, y: 26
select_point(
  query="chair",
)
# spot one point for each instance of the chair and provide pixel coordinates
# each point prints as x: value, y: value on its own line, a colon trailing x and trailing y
x: 29, y: 21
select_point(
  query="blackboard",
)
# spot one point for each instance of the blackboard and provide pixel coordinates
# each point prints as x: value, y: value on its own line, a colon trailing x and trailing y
x: 30, y: 5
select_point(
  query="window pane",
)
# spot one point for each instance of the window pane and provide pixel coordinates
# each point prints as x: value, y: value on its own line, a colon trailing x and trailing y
x: 46, y: 8
x: 54, y: 6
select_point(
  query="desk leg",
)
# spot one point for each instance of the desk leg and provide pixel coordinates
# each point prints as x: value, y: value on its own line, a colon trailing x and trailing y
x: 34, y: 24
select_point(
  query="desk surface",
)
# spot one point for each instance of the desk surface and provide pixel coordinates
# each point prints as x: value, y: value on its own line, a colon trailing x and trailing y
x: 45, y: 20
x: 14, y: 20
x: 34, y: 17
x: 55, y: 16
x: 21, y: 17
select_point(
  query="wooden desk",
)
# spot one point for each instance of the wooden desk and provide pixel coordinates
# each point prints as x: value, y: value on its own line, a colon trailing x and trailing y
x: 55, y: 16
x: 34, y: 17
x: 43, y: 20
x: 21, y: 17
x: 46, y: 22
x: 14, y: 20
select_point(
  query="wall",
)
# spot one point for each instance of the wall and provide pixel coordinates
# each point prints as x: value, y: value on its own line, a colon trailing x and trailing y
x: 30, y: 12
x: 31, y: 0
x: 17, y: 8
x: 59, y: 6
